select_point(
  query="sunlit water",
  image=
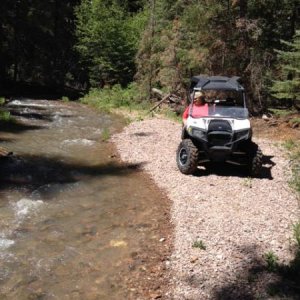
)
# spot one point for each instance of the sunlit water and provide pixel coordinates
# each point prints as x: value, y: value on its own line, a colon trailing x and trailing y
x: 70, y: 214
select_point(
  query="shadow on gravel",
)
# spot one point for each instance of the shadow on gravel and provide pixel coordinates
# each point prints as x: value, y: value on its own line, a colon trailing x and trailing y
x: 263, y: 279
x: 227, y: 169
x: 143, y: 134
x: 30, y: 172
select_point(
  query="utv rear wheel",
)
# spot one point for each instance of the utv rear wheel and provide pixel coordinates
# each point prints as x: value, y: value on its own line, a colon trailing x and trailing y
x: 255, y: 160
x: 187, y: 157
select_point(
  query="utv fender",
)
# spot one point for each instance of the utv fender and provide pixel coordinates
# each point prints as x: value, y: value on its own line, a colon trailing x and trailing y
x: 184, y: 134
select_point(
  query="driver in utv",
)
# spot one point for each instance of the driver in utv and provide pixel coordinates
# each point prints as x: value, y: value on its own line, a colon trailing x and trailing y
x: 198, y: 108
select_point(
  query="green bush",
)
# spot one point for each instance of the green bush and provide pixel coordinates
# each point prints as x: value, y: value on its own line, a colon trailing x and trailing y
x: 296, y: 167
x: 5, y: 116
x: 281, y: 112
x: 199, y: 244
x: 294, y: 152
x: 65, y: 99
x: 116, y: 97
x: 271, y: 261
x: 105, y: 134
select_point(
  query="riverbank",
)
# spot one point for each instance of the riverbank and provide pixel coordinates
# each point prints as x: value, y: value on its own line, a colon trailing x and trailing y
x: 225, y: 224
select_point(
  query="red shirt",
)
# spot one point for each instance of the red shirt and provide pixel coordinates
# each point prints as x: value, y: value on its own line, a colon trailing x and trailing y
x: 197, y: 111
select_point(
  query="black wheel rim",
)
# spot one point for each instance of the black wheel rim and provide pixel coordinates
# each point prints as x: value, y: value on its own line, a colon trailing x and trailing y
x: 183, y: 156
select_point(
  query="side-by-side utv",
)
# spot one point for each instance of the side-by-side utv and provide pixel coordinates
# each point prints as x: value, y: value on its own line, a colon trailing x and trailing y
x: 223, y: 133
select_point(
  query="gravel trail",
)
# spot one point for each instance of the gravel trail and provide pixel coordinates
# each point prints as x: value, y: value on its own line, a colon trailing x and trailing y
x: 237, y: 219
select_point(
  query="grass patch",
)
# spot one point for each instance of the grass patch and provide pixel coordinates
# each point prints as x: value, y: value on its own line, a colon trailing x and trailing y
x: 288, y: 283
x: 5, y: 116
x: 293, y: 148
x: 172, y: 115
x: 105, y: 135
x: 281, y: 112
x: 272, y: 261
x: 128, y: 101
x: 65, y: 99
x: 199, y: 244
x: 297, y: 234
x: 289, y: 145
x: 107, y: 99
x: 294, y: 122
x: 247, y: 182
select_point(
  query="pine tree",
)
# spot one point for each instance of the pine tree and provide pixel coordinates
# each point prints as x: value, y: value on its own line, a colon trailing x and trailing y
x: 288, y: 88
x: 107, y: 41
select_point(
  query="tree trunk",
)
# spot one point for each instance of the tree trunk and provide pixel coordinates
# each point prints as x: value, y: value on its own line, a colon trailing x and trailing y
x: 16, y: 41
x: 152, y: 30
x: 243, y: 8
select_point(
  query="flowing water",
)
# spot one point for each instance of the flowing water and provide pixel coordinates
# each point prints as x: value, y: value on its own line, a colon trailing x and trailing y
x: 71, y: 216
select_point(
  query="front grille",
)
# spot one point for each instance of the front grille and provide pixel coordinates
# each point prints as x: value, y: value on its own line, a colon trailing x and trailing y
x: 219, y: 133
x: 219, y: 139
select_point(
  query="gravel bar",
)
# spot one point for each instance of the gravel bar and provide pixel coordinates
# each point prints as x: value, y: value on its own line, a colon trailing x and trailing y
x: 236, y: 219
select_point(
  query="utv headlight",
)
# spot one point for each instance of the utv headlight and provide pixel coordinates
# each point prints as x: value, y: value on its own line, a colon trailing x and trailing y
x: 243, y: 134
x: 199, y: 134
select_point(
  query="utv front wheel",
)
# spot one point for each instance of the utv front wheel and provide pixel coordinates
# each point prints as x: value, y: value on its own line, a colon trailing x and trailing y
x: 255, y: 160
x: 187, y: 157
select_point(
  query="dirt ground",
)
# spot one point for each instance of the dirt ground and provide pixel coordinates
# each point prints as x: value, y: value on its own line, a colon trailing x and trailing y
x: 275, y: 129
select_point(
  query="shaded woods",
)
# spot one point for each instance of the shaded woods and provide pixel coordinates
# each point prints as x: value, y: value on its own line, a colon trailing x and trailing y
x: 78, y: 44
x: 37, y: 40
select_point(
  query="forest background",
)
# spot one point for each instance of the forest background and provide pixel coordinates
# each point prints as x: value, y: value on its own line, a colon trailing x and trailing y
x: 126, y: 48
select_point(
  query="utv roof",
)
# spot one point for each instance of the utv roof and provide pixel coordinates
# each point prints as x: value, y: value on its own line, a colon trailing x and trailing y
x: 216, y: 83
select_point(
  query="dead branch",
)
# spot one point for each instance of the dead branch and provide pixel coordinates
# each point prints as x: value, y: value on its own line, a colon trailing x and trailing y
x: 157, y: 92
x: 160, y: 102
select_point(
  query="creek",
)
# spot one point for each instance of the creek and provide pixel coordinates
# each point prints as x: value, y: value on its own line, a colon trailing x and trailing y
x: 72, y: 217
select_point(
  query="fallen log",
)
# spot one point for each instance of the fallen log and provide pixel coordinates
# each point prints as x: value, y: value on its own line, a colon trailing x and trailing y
x: 160, y: 102
x: 157, y: 92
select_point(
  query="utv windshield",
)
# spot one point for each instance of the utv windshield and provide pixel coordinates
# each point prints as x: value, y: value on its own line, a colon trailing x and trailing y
x: 225, y: 104
x: 213, y: 110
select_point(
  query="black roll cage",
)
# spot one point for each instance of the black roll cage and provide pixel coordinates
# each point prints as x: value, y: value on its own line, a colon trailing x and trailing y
x: 216, y: 83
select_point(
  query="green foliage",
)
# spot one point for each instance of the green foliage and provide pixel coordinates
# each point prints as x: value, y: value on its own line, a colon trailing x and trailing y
x: 288, y: 274
x: 289, y: 85
x: 271, y: 260
x: 36, y: 41
x: 199, y: 244
x: 295, y: 182
x: 105, y: 134
x: 247, y: 182
x: 116, y: 97
x: 281, y: 112
x: 172, y: 115
x: 5, y: 116
x: 289, y: 144
x: 294, y: 121
x: 65, y: 99
x: 2, y: 100
x: 294, y: 152
x: 185, y: 38
x: 107, y: 41
x: 158, y: 43
x: 297, y: 234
